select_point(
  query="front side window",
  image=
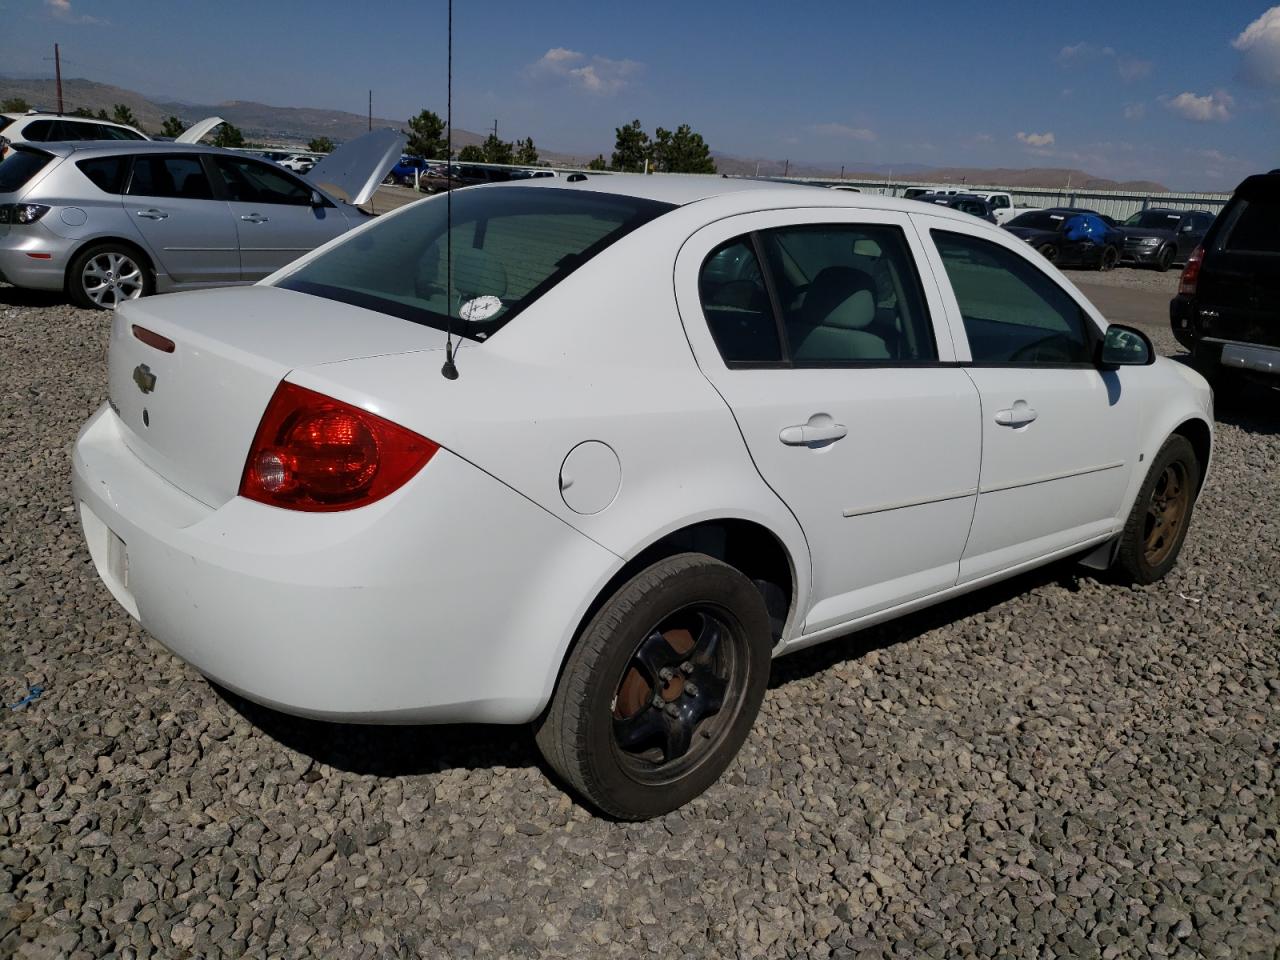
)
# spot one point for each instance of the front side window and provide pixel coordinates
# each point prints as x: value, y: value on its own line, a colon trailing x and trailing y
x: 172, y: 176
x: 999, y: 203
x: 252, y: 182
x: 507, y: 247
x: 1013, y: 313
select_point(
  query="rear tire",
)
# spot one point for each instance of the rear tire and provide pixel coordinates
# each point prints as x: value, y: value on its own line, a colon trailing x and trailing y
x: 104, y: 275
x: 1048, y: 251
x: 1157, y: 525
x: 1108, y: 259
x: 661, y: 688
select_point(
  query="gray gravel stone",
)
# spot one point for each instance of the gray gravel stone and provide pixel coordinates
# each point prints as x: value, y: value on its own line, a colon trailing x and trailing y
x: 1056, y: 766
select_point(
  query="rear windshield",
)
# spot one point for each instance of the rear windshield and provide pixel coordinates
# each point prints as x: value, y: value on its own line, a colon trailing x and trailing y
x: 1251, y: 225
x: 1154, y: 220
x: 17, y: 169
x: 1039, y: 220
x: 507, y: 247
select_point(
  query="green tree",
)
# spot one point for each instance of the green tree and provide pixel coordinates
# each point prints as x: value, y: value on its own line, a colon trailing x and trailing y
x: 14, y: 105
x: 598, y: 163
x: 101, y: 115
x: 497, y: 151
x: 320, y: 145
x: 120, y: 113
x: 426, y: 136
x: 681, y: 152
x: 631, y: 147
x: 471, y: 153
x: 526, y: 152
x: 83, y: 112
x: 172, y: 127
x: 228, y: 136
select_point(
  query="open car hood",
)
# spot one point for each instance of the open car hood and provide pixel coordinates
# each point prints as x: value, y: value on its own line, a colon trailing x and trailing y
x: 195, y: 133
x: 354, y: 170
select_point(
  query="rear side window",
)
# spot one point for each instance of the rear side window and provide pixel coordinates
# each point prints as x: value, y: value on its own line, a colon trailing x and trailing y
x: 510, y: 245
x: 1253, y: 226
x: 106, y: 173
x: 1013, y: 313
x: 19, y: 167
x: 38, y: 131
x: 117, y: 133
x: 736, y: 304
x: 179, y: 177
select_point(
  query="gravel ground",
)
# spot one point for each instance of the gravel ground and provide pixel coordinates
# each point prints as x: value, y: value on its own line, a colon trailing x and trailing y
x: 1052, y: 767
x: 1132, y: 278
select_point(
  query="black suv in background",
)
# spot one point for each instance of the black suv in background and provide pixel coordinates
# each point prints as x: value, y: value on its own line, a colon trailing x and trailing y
x: 1157, y: 237
x: 1227, y: 311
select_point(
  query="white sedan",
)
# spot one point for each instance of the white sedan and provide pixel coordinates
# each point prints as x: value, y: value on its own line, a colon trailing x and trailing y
x: 689, y: 423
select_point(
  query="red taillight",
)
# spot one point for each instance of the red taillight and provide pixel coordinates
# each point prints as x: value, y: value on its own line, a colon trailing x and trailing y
x: 1191, y: 272
x: 314, y: 453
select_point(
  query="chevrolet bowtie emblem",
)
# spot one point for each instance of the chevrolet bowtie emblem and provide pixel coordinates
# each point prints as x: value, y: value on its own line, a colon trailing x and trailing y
x: 144, y: 378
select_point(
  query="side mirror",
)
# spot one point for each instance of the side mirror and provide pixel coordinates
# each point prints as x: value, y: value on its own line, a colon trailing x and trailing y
x: 1125, y: 347
x: 317, y: 199
x: 1188, y: 227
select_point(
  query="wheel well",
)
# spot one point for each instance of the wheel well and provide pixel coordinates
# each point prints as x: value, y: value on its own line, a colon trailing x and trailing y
x: 99, y: 241
x: 1201, y: 440
x: 748, y: 547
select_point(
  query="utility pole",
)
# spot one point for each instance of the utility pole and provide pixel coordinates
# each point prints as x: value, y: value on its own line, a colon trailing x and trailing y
x: 495, y: 128
x: 786, y: 166
x: 370, y: 109
x: 842, y: 171
x: 57, y: 70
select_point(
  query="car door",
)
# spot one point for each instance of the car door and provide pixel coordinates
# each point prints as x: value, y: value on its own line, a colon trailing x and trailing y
x: 819, y: 332
x: 188, y: 232
x: 273, y: 213
x: 1058, y: 434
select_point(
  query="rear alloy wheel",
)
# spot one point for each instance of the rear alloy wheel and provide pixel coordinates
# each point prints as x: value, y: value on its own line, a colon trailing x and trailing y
x: 106, y: 275
x: 661, y: 689
x: 1164, y: 260
x: 1109, y: 258
x: 1158, y: 522
x: 1048, y: 251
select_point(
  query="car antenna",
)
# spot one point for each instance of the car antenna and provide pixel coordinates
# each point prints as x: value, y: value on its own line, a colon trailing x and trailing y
x: 450, y: 369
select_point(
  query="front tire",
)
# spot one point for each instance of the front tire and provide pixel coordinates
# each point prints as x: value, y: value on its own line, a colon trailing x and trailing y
x: 105, y: 275
x: 1157, y: 525
x: 661, y: 689
x: 1049, y: 251
x: 1108, y: 259
x: 1164, y: 260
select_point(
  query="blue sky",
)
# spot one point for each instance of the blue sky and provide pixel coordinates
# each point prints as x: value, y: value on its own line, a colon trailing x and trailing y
x: 1188, y: 95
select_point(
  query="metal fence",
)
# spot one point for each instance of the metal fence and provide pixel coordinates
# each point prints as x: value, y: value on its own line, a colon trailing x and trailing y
x: 1117, y: 204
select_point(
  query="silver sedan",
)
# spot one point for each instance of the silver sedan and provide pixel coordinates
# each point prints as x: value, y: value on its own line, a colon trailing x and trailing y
x: 109, y: 222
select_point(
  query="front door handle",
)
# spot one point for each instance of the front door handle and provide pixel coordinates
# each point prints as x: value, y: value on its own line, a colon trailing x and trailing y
x: 819, y: 431
x: 254, y: 218
x: 152, y: 214
x: 1019, y: 415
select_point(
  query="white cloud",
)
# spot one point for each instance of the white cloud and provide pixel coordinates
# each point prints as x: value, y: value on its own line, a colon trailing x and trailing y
x: 62, y: 10
x: 1135, y: 111
x: 597, y: 75
x: 1131, y: 68
x: 1036, y: 139
x: 1211, y: 106
x: 844, y: 130
x: 1084, y: 51
x: 1259, y: 44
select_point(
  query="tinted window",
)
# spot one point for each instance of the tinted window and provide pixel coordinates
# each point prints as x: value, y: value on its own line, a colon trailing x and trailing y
x: 169, y: 177
x: 253, y: 182
x: 509, y: 245
x: 106, y: 173
x: 1154, y: 220
x: 117, y: 133
x: 1253, y: 226
x: 72, y: 130
x: 848, y: 293
x: 17, y: 169
x: 1039, y: 220
x: 1013, y: 313
x: 4, y: 122
x: 999, y: 203
x: 736, y: 304
x: 38, y: 131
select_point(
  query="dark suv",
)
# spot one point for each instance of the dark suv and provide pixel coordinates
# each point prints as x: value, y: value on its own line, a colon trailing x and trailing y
x: 1227, y: 311
x: 1159, y: 237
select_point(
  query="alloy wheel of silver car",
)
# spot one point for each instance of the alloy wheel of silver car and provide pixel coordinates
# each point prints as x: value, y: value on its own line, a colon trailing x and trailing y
x: 110, y: 278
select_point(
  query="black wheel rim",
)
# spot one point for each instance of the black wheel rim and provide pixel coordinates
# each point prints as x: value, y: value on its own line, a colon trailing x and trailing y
x: 679, y: 693
x: 1167, y: 511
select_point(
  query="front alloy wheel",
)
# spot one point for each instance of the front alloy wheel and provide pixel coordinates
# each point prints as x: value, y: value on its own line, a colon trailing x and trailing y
x: 661, y: 688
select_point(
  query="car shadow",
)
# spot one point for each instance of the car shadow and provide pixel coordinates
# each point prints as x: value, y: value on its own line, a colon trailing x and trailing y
x: 402, y: 751
x: 11, y: 296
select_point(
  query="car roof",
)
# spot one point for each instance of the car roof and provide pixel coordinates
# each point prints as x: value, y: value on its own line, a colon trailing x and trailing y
x: 66, y: 116
x: 113, y: 147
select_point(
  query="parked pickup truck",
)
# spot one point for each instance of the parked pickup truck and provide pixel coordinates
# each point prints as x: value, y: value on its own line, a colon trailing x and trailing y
x: 1001, y: 205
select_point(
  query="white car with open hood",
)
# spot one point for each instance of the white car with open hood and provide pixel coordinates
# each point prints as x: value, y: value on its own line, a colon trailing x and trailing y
x: 695, y: 423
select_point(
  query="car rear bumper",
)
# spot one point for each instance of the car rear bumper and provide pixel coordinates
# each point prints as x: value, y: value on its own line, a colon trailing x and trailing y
x: 33, y: 257
x: 1250, y: 357
x: 453, y: 599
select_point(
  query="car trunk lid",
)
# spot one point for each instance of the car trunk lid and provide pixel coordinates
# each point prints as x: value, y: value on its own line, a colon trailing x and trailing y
x: 191, y: 395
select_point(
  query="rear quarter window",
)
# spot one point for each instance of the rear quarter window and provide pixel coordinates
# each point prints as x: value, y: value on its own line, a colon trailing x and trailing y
x: 106, y: 173
x: 20, y: 167
x: 38, y: 131
x: 1253, y: 226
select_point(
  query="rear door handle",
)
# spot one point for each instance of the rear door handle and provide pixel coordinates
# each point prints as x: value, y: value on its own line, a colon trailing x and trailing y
x: 819, y: 430
x: 152, y: 214
x: 1019, y: 415
x: 254, y: 218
